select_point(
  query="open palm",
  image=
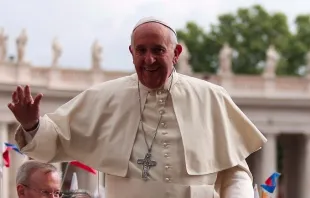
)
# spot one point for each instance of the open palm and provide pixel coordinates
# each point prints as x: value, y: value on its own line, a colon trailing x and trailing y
x: 25, y: 108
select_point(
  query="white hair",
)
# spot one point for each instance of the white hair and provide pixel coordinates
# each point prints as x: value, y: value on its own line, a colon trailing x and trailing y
x: 29, y: 167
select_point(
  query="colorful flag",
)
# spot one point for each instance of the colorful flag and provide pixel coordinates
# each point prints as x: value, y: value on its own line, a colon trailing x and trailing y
x: 83, y: 166
x: 271, y: 183
x: 6, y: 154
x: 6, y: 157
x: 13, y: 147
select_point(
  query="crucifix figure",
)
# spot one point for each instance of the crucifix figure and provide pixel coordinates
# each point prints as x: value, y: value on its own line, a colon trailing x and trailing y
x: 147, y: 163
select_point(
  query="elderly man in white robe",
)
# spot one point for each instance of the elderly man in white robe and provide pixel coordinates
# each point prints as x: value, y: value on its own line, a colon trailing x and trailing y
x: 155, y: 133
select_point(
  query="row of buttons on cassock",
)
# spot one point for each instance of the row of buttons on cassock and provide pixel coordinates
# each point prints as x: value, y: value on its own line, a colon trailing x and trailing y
x: 165, y: 144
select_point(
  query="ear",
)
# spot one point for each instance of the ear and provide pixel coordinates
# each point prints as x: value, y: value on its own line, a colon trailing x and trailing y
x: 177, y: 52
x: 130, y: 49
x: 20, y: 191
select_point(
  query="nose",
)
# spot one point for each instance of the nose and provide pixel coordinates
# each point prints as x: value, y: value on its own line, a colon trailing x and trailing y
x: 149, y: 58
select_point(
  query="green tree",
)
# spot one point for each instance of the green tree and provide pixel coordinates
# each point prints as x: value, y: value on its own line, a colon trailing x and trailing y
x: 203, y: 49
x: 298, y: 47
x: 249, y: 31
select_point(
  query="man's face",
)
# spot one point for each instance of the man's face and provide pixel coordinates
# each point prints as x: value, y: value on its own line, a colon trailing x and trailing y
x: 40, y: 185
x: 154, y: 54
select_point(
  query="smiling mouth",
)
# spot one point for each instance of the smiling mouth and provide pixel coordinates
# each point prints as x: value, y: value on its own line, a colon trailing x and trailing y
x: 151, y: 69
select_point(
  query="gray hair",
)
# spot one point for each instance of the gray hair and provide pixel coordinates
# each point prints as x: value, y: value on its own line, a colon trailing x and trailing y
x: 173, y: 37
x: 25, y: 171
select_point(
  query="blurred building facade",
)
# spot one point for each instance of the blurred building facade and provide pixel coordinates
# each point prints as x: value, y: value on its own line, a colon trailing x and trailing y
x: 278, y: 106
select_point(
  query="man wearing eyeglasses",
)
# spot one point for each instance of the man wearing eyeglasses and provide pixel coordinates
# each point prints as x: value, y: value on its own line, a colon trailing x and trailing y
x: 38, y: 180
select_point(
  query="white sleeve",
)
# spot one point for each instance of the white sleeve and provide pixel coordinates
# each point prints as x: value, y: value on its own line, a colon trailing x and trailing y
x: 39, y: 144
x: 236, y: 183
x: 59, y: 134
x: 29, y: 135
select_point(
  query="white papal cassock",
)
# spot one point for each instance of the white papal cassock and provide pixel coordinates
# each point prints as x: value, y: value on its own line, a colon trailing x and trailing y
x: 200, y: 149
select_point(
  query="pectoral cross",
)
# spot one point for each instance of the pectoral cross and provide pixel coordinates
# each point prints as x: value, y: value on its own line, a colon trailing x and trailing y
x: 147, y: 163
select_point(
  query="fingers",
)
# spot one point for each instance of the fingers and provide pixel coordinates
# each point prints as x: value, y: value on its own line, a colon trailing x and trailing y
x: 15, y: 97
x: 27, y: 94
x: 37, y: 99
x: 23, y: 96
x: 20, y: 94
x: 11, y: 107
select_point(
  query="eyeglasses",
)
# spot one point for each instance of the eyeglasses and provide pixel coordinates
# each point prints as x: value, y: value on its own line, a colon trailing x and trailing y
x: 46, y: 193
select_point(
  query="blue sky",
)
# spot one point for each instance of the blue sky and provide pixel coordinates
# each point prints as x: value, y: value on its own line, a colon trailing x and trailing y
x: 77, y: 23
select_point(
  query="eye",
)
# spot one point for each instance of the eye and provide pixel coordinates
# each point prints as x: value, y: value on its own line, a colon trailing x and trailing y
x: 158, y: 50
x: 45, y: 193
x: 57, y: 193
x: 140, y: 51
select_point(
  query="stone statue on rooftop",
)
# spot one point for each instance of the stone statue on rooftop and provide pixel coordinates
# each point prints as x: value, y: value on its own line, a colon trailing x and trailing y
x: 96, y: 55
x: 21, y: 43
x: 57, y: 51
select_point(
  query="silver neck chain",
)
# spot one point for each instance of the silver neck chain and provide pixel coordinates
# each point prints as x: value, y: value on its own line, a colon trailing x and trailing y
x: 149, y: 147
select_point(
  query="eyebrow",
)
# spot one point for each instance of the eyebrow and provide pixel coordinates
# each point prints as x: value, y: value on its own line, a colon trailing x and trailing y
x: 156, y: 46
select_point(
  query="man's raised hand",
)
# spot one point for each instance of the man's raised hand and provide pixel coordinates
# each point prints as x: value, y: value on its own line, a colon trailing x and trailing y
x: 25, y: 108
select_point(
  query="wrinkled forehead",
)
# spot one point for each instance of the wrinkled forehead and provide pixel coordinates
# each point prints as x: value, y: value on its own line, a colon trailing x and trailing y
x: 43, y: 178
x: 151, y: 34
